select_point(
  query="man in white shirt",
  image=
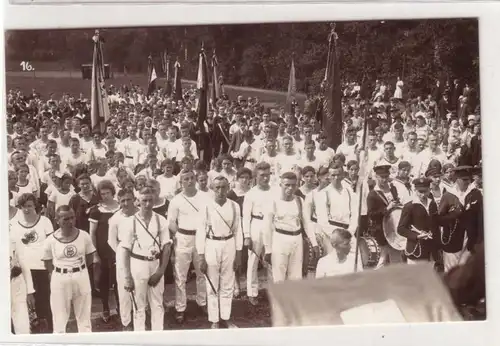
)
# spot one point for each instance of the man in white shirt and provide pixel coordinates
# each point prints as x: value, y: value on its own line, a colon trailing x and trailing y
x: 255, y: 203
x: 219, y: 241
x: 183, y: 215
x: 433, y: 152
x: 284, y: 224
x: 350, y: 146
x: 126, y: 199
x: 337, y: 206
x: 146, y: 251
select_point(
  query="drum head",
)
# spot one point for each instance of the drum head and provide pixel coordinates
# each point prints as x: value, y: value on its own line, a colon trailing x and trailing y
x: 390, y: 225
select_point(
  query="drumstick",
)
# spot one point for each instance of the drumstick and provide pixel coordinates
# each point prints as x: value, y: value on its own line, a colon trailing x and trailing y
x: 414, y: 229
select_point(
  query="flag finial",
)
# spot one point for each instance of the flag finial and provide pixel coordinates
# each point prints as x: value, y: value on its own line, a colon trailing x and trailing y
x: 95, y: 38
x: 333, y: 33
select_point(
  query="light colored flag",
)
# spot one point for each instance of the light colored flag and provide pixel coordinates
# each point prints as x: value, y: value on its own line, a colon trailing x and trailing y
x: 398, y: 293
x: 99, y: 109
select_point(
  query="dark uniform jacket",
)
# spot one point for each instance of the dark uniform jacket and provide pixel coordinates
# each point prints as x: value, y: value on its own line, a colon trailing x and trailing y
x: 415, y: 214
x: 451, y: 219
x: 377, y: 209
x: 474, y: 218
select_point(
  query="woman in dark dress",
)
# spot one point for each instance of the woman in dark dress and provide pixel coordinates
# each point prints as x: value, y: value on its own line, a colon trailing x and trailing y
x: 243, y: 179
x: 81, y: 204
x: 98, y: 217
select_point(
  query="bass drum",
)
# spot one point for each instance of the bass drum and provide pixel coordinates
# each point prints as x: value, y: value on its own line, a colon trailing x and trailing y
x: 369, y: 251
x: 390, y: 227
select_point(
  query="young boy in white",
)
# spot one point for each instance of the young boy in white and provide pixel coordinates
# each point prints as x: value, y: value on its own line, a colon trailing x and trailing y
x: 67, y: 253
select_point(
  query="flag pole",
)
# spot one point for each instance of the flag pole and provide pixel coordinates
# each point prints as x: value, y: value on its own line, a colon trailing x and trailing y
x: 360, y: 183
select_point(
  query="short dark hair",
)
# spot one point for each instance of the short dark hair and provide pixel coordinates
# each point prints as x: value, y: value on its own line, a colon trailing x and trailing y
x: 106, y: 185
x: 26, y: 197
x: 289, y: 175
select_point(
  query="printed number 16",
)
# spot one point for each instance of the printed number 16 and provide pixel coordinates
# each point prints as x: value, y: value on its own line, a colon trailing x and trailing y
x: 26, y: 66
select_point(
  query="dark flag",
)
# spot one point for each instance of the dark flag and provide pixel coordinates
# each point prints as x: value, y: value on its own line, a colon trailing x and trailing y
x: 202, y: 85
x: 292, y: 89
x: 165, y: 62
x: 99, y: 110
x: 151, y: 76
x: 177, y: 81
x: 215, y: 92
x: 332, y: 106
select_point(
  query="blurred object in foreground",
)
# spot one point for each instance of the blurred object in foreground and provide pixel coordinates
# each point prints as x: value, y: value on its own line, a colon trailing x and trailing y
x: 395, y: 294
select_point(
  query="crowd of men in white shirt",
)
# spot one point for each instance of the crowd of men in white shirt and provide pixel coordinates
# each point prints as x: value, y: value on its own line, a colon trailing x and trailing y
x: 148, y: 198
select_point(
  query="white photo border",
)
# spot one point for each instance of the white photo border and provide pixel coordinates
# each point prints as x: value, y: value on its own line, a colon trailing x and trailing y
x: 126, y: 15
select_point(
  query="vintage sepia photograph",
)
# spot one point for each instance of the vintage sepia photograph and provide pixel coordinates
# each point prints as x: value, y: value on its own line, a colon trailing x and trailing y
x: 242, y: 176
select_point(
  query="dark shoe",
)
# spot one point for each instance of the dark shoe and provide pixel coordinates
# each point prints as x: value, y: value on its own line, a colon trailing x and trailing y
x: 203, y: 309
x: 253, y: 300
x: 105, y: 316
x: 215, y: 325
x: 230, y: 325
x: 129, y: 328
x: 179, y: 317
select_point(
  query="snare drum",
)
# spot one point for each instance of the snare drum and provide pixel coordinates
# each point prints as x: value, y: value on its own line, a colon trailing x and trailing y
x: 369, y: 251
x: 310, y: 262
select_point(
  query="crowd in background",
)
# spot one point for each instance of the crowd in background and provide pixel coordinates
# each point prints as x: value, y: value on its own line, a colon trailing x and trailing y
x: 56, y: 160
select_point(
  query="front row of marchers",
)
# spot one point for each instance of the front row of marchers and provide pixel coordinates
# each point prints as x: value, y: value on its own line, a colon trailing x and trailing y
x: 278, y: 227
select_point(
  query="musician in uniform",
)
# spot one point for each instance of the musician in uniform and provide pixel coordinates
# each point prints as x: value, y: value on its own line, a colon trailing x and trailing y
x: 402, y: 182
x: 418, y: 224
x: 474, y: 211
x: 219, y: 241
x: 381, y: 200
x: 452, y: 239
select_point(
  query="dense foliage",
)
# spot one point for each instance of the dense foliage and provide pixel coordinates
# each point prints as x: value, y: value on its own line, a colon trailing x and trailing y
x: 259, y: 55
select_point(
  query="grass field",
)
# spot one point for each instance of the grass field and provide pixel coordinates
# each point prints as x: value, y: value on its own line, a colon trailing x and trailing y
x: 59, y: 82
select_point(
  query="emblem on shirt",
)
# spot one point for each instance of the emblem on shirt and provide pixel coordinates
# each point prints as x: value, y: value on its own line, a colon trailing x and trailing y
x: 30, y: 237
x: 70, y: 251
x: 154, y: 251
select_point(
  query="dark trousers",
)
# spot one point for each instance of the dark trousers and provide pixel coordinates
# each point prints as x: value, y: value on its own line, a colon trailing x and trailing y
x: 41, y: 284
x: 107, y: 279
x: 220, y: 147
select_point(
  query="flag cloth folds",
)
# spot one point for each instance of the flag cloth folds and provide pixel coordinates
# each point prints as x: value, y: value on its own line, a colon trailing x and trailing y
x: 332, y: 106
x: 215, y: 92
x: 99, y: 108
x: 398, y: 293
x: 165, y: 61
x: 202, y: 86
x: 151, y: 76
x: 292, y: 88
x: 177, y: 81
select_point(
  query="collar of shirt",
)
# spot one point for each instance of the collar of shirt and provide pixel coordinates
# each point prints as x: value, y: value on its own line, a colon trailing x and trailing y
x: 416, y: 200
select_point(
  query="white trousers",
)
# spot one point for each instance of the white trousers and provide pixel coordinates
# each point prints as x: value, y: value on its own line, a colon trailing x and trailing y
x: 19, y: 306
x: 287, y: 257
x: 123, y: 295
x: 185, y: 253
x: 257, y: 236
x: 451, y: 260
x: 144, y: 294
x: 220, y: 255
x: 67, y: 289
x: 389, y: 255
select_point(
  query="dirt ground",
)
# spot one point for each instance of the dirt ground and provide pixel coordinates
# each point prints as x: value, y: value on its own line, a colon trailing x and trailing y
x: 244, y: 314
